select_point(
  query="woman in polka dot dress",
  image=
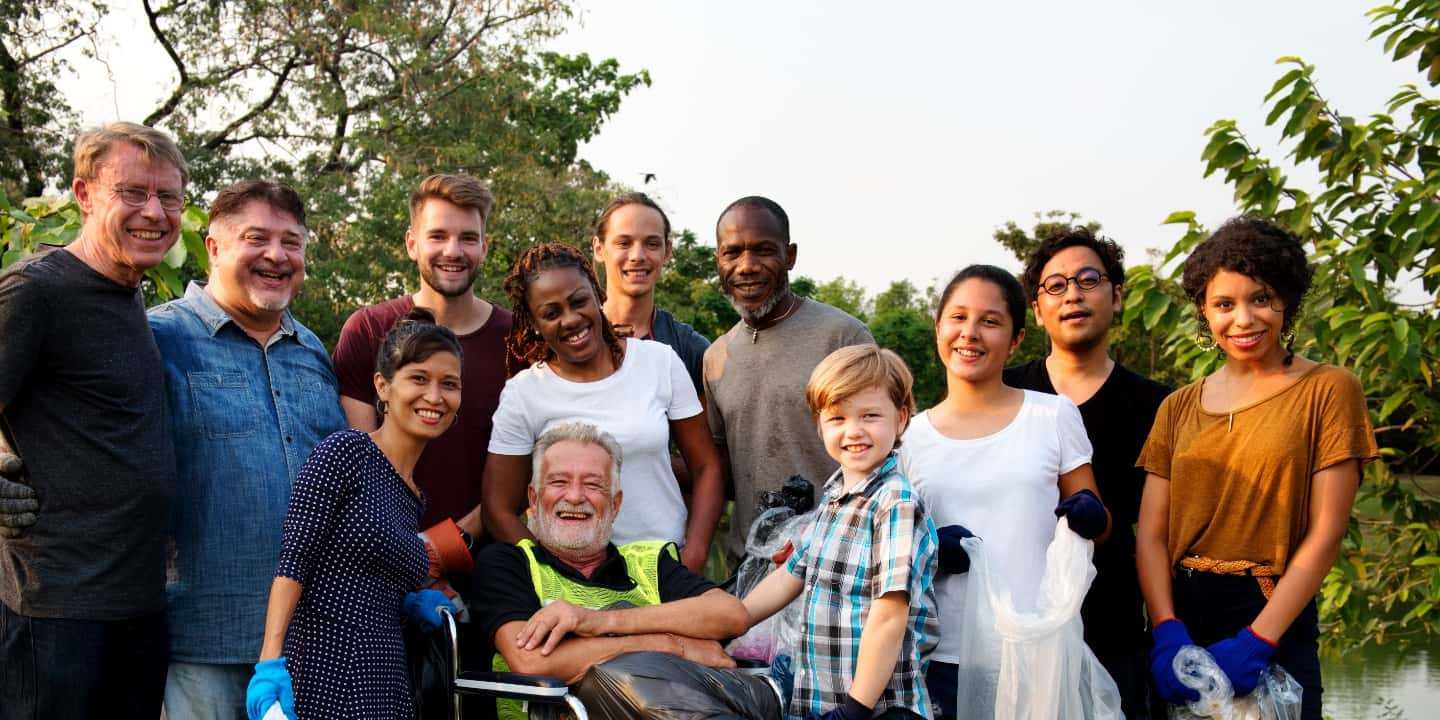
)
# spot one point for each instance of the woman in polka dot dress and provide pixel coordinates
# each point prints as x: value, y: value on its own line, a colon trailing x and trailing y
x: 352, y: 563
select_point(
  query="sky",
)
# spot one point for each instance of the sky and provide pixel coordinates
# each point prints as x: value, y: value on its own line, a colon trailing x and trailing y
x: 898, y: 136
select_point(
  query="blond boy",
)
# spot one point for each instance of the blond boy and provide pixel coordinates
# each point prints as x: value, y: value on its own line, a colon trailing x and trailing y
x: 864, y: 572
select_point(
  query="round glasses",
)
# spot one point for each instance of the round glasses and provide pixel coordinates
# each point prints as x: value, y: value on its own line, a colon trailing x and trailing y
x: 1087, y: 279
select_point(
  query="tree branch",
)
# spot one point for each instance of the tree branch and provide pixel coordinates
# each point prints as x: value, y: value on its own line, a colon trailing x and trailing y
x: 217, y: 139
x: 181, y: 88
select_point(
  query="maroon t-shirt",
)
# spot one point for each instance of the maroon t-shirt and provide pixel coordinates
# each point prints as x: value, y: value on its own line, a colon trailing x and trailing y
x: 449, y: 469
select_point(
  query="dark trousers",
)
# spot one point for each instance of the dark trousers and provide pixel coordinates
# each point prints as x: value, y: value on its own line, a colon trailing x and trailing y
x: 942, y: 681
x: 1215, y: 607
x: 58, y: 668
x: 1131, y: 672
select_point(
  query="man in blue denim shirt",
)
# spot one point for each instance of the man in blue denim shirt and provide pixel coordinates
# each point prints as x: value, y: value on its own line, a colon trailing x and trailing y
x: 250, y: 392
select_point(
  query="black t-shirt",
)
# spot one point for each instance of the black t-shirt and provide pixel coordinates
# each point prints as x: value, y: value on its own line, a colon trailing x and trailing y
x: 1117, y: 420
x: 83, y: 388
x: 502, y: 578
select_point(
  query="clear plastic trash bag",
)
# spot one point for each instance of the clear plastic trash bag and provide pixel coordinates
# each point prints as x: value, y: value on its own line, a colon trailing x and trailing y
x: 769, y: 534
x: 1030, y: 664
x: 1277, y: 697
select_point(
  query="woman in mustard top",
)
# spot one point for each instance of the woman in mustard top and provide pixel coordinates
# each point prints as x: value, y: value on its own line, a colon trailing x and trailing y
x: 1252, y: 472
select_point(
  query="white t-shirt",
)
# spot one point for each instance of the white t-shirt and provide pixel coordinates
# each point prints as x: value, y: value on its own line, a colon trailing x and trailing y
x: 636, y: 405
x: 1004, y: 487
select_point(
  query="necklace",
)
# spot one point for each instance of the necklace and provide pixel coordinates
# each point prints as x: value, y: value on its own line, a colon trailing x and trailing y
x: 795, y: 301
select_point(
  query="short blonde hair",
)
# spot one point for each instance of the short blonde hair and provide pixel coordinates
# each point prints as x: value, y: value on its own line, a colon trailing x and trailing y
x: 91, y: 147
x: 854, y: 369
x: 459, y: 190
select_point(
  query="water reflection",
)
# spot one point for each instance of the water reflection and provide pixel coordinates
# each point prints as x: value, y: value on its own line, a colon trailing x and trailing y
x: 1378, y: 682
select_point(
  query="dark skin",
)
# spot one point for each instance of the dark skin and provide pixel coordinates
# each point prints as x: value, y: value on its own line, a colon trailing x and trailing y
x: 754, y: 259
x: 567, y: 313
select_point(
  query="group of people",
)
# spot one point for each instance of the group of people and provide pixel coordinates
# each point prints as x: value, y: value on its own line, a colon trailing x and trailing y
x: 204, y: 510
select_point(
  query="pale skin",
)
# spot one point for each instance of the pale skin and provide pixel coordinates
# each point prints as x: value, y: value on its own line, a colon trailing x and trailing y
x: 633, y: 252
x: 975, y: 338
x: 1246, y: 318
x: 430, y: 386
x: 441, y: 234
x: 257, y: 265
x: 565, y: 640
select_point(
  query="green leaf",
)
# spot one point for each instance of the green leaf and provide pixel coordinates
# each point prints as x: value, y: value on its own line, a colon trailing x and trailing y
x: 1375, y: 317
x: 1401, y: 327
x: 175, y: 256
x: 1391, y: 403
x: 1155, y: 307
x: 1283, y: 83
x: 1179, y: 216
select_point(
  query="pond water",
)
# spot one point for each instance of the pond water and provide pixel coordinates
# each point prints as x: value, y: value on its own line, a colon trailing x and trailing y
x: 1383, y: 682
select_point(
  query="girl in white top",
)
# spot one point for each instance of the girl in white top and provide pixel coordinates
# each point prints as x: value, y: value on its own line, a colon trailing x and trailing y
x: 636, y: 390
x: 992, y: 459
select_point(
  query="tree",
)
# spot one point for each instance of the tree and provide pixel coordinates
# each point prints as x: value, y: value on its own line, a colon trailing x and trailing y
x: 690, y: 289
x: 1371, y: 227
x: 35, y: 121
x: 902, y: 322
x: 844, y: 294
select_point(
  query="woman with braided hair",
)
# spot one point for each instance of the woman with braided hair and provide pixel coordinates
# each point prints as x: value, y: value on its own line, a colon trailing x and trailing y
x: 636, y: 390
x: 1252, y: 473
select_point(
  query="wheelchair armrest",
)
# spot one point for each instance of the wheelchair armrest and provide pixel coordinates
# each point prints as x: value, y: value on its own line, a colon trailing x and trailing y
x: 516, y: 686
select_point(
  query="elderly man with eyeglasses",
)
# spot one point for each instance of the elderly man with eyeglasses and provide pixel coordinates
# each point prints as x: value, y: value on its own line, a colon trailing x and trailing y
x: 84, y: 508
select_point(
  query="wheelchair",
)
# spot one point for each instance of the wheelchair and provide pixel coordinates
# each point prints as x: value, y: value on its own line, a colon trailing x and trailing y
x: 538, y: 690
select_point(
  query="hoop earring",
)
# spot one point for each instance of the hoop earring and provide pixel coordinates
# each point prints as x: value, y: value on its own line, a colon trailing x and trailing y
x: 380, y: 405
x: 1288, y: 337
x: 1205, y: 341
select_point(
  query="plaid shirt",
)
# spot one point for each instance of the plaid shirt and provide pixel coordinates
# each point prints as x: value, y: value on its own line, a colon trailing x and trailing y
x: 867, y: 542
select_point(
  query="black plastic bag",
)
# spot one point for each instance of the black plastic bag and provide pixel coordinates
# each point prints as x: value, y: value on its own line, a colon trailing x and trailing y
x: 660, y: 686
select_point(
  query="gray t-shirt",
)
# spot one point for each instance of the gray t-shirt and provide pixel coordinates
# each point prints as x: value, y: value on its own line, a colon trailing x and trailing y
x: 755, y: 388
x: 84, y: 396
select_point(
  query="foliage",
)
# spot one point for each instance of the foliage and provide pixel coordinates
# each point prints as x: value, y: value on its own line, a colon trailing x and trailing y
x: 902, y: 322
x: 844, y: 294
x: 34, y: 127
x: 1021, y: 244
x: 1372, y: 230
x: 56, y: 221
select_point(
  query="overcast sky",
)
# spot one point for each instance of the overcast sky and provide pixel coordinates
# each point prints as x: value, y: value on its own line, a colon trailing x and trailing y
x: 899, y: 135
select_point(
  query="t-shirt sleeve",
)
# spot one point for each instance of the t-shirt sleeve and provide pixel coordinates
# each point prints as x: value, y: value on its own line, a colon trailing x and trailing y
x: 1345, y: 430
x: 22, y: 316
x: 684, y: 401
x: 897, y: 520
x: 713, y: 415
x: 502, y: 577
x: 325, y: 479
x: 1155, y: 457
x: 1075, y: 447
x: 354, y: 359
x: 510, y: 432
x: 676, y: 580
x: 856, y: 334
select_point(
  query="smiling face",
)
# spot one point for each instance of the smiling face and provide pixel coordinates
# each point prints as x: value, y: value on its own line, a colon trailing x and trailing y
x: 974, y: 334
x: 132, y: 239
x: 860, y: 431
x: 257, y: 260
x: 1245, y: 316
x: 753, y: 260
x: 566, y: 312
x: 423, y: 397
x: 1076, y: 319
x: 448, y: 243
x: 574, y: 508
x: 633, y: 250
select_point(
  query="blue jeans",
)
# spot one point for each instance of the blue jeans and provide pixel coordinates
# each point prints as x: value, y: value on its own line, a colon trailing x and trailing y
x: 203, y: 691
x: 60, y: 668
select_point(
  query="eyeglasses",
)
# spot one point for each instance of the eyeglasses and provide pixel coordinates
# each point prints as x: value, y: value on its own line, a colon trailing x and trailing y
x: 1087, y: 279
x: 138, y: 197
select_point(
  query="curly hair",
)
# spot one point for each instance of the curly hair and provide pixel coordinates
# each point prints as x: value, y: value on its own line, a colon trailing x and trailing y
x: 1112, y: 256
x: 525, y: 342
x: 1261, y: 250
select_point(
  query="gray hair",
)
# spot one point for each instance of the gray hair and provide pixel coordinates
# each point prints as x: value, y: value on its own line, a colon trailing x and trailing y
x: 581, y: 432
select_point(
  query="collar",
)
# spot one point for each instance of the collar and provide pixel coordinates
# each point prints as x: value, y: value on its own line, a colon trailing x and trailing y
x: 835, y: 486
x: 612, y: 572
x: 215, y: 318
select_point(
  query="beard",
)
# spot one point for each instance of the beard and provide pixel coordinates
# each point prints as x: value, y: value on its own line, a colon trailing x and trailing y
x: 752, y: 317
x: 427, y: 273
x: 549, y: 533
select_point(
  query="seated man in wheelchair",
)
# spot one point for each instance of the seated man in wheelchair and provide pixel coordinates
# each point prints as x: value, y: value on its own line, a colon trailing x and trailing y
x: 569, y: 600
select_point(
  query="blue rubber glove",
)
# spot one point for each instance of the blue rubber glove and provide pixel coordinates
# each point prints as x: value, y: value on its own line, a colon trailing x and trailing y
x: 1244, y: 659
x: 1086, y: 513
x: 423, y: 608
x: 1170, y: 636
x: 851, y: 709
x: 270, y: 684
x: 952, y: 555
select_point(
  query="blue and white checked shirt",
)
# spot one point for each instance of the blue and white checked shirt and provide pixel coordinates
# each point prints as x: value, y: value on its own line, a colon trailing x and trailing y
x: 865, y: 543
x: 244, y: 419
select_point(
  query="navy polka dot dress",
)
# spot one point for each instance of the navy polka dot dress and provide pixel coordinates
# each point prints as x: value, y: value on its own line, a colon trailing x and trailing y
x: 350, y: 541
